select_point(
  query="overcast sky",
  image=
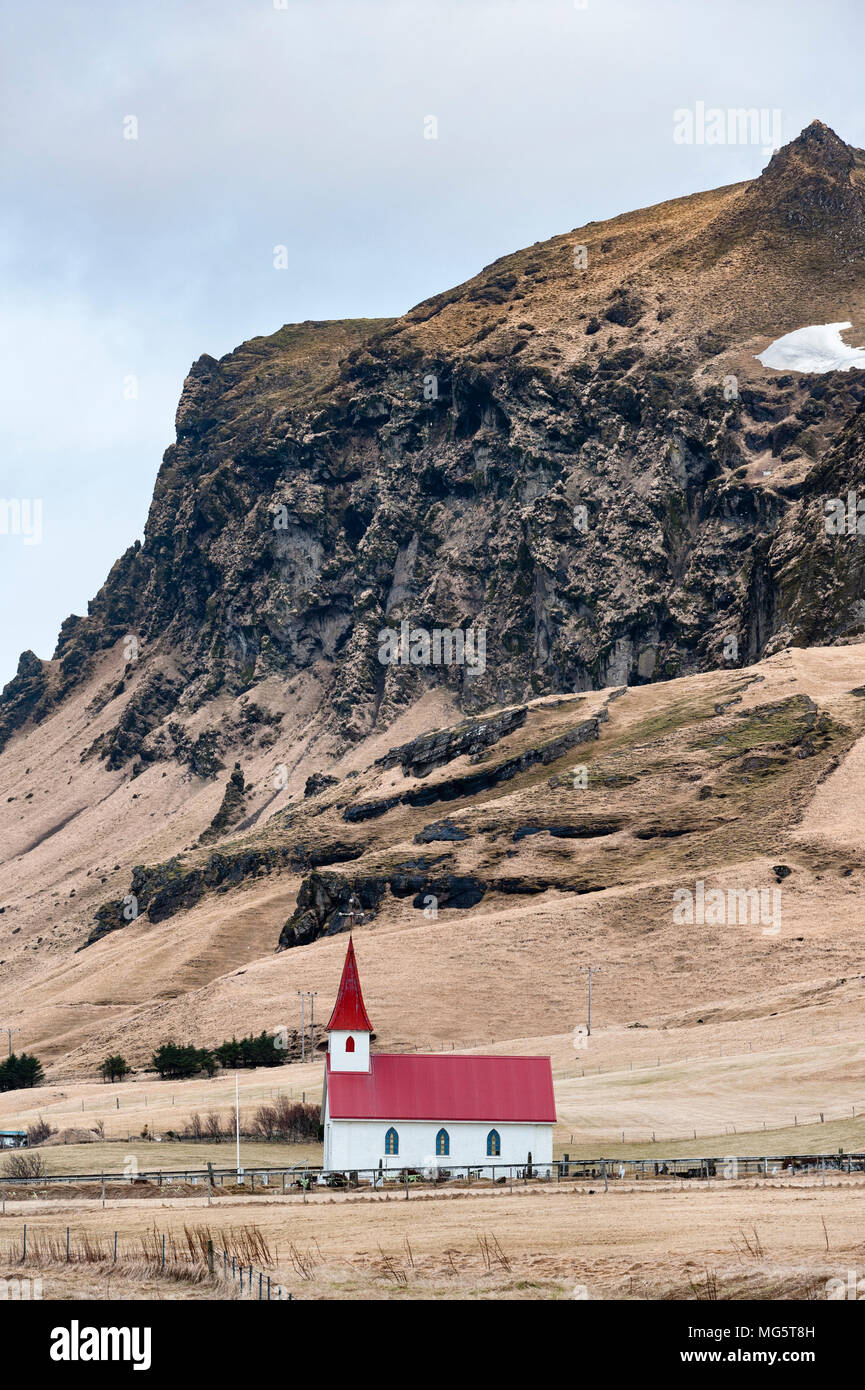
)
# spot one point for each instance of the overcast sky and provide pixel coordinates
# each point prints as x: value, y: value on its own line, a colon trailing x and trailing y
x: 303, y: 126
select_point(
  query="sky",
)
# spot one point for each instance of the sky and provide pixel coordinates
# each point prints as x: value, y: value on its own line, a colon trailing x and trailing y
x: 152, y: 156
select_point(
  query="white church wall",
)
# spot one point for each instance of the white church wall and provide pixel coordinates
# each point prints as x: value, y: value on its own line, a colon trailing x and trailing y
x: 356, y: 1144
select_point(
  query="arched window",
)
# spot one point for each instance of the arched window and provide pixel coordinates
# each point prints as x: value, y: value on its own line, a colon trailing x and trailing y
x: 443, y: 1143
x: 494, y: 1144
x: 391, y: 1141
x: 349, y: 1044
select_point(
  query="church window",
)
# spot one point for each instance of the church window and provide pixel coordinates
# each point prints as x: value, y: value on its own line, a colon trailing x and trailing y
x: 349, y: 1044
x: 494, y: 1144
x: 443, y: 1143
x: 391, y: 1141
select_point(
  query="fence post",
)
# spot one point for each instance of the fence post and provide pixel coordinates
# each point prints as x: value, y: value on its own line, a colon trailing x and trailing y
x: 268, y: 1288
x: 24, y: 1252
x: 260, y: 1280
x: 163, y: 1249
x: 115, y: 1247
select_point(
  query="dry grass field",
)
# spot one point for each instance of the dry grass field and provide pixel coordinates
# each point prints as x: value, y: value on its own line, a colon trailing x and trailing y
x: 732, y: 1240
x: 706, y: 1039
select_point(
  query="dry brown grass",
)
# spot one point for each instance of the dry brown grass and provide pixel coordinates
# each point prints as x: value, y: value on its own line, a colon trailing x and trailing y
x: 731, y: 1240
x: 739, y: 1031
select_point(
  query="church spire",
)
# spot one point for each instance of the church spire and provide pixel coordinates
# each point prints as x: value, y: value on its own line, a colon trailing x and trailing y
x: 349, y: 1012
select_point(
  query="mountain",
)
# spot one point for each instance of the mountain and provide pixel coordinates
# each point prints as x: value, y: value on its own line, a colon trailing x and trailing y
x: 316, y: 495
x: 577, y: 455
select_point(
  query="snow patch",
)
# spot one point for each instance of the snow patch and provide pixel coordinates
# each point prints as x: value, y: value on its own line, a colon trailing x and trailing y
x: 819, y: 348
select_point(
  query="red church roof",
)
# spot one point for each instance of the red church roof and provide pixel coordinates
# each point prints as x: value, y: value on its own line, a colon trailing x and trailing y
x: 348, y: 1011
x: 444, y: 1086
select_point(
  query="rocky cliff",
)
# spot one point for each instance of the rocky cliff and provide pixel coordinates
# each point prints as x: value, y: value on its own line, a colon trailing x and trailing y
x: 575, y: 454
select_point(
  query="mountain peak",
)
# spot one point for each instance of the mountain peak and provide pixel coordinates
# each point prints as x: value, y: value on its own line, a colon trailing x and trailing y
x: 816, y: 150
x: 816, y: 184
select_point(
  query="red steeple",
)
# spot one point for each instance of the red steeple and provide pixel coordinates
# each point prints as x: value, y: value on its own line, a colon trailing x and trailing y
x: 348, y: 1011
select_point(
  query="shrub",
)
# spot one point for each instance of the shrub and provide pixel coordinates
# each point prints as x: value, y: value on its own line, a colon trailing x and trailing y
x: 287, y: 1120
x: 38, y: 1132
x: 213, y: 1127
x: 24, y: 1165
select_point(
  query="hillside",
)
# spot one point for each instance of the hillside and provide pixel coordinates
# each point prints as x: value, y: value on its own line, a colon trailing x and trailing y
x: 216, y: 761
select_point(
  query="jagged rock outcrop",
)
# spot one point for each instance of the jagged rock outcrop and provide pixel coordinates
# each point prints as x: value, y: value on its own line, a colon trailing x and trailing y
x: 471, y: 783
x: 231, y: 807
x: 149, y: 705
x: 319, y: 782
x: 440, y: 830
x: 24, y: 697
x: 158, y: 891
x: 331, y: 903
x: 422, y: 755
x: 587, y: 829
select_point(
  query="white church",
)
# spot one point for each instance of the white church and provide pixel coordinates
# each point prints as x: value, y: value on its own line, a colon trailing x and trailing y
x: 389, y: 1111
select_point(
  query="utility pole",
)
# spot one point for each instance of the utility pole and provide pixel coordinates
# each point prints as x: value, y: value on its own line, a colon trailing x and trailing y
x: 590, y: 970
x: 304, y: 995
x: 237, y: 1118
x: 9, y: 1031
x: 302, y: 1025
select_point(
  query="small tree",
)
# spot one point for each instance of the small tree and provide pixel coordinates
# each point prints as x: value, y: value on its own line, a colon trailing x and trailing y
x: 228, y: 1054
x: 114, y: 1068
x: 207, y: 1061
